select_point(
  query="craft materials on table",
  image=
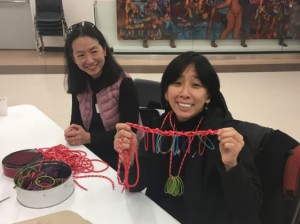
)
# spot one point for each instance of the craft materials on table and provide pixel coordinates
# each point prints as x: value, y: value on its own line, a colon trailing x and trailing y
x: 44, y: 184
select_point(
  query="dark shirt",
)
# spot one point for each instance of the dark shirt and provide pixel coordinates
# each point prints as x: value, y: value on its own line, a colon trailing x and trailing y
x: 102, y: 140
x: 211, y: 194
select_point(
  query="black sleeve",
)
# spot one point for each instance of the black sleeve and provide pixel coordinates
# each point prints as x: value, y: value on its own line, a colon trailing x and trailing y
x: 102, y: 140
x: 75, y: 113
x: 242, y: 188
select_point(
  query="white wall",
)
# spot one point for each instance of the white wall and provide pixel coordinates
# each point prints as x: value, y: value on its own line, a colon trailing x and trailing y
x: 16, y: 30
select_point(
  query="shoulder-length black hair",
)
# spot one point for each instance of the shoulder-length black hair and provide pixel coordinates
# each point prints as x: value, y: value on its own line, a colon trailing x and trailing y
x: 205, y: 71
x: 76, y: 79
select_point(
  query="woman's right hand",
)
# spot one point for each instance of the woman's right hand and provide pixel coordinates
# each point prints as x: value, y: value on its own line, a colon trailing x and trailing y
x: 76, y: 135
x: 125, y: 140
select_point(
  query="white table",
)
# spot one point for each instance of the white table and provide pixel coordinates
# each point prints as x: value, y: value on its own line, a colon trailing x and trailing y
x: 27, y: 127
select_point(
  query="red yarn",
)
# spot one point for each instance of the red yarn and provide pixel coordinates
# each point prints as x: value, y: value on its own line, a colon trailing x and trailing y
x: 173, y: 133
x: 76, y: 159
x: 126, y: 155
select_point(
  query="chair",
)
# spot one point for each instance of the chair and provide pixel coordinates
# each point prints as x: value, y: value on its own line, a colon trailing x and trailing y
x: 49, y: 20
x: 277, y: 159
x: 148, y: 93
x: 291, y: 185
x: 274, y: 163
x: 149, y: 96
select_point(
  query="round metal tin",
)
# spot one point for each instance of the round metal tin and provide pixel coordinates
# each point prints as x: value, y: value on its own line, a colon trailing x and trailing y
x: 46, y: 197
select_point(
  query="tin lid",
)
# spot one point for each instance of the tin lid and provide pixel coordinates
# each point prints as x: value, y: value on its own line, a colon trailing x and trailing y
x: 15, y: 161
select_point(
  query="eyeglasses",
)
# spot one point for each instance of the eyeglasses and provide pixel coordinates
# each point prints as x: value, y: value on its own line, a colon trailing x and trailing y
x: 83, y: 24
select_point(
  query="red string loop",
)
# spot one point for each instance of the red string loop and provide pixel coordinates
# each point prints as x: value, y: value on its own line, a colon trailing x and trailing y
x: 77, y: 160
x: 171, y: 132
x: 125, y: 159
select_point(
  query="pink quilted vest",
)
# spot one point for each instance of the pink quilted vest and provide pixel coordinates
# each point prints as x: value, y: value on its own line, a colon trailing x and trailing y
x: 107, y: 102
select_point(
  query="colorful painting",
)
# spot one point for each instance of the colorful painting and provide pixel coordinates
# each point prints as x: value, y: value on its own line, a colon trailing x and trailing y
x: 208, y: 19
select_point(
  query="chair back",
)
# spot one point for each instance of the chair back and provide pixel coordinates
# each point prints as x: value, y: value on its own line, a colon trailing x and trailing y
x: 278, y: 207
x: 277, y: 159
x: 291, y: 185
x: 149, y: 96
x: 149, y: 93
x: 48, y: 6
x: 49, y: 20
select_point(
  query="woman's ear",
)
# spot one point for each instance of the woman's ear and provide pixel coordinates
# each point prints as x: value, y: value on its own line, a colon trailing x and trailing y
x: 166, y: 97
x: 208, y: 97
x: 207, y: 101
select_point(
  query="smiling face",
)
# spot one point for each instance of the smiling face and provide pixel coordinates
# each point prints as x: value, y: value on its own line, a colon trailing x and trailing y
x: 187, y: 96
x: 89, y: 55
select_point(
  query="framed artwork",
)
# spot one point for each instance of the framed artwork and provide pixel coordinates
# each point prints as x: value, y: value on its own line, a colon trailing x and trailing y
x: 208, y: 19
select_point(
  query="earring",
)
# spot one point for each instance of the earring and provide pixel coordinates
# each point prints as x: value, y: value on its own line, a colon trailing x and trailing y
x: 205, y: 106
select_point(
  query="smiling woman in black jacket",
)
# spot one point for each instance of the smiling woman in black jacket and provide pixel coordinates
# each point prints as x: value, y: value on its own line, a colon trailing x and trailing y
x: 203, y: 180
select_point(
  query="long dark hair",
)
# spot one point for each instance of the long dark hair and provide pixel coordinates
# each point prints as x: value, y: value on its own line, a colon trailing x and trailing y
x: 76, y: 79
x: 205, y: 71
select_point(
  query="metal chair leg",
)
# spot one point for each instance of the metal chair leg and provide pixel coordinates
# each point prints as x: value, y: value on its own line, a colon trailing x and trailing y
x: 42, y: 45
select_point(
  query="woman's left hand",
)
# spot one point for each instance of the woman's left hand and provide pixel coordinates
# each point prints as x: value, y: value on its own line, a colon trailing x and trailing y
x: 231, y: 143
x: 76, y: 135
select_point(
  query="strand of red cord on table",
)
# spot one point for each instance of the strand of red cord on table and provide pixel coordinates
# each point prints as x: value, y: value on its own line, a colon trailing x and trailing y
x: 126, y: 156
x: 77, y: 160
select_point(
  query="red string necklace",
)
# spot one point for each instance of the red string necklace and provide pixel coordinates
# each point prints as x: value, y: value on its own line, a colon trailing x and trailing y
x: 174, y: 185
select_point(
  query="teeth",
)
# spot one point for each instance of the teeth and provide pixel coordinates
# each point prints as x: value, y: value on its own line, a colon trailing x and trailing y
x: 185, y: 105
x: 91, y: 67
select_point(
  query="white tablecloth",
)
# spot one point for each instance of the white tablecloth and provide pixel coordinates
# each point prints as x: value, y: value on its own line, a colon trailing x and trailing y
x: 26, y: 127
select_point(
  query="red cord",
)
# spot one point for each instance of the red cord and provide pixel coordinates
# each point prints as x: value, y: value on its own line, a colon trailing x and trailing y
x: 76, y: 159
x: 173, y: 133
x: 126, y: 155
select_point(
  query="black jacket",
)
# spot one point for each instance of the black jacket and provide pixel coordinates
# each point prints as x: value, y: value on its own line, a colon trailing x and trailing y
x: 211, y: 194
